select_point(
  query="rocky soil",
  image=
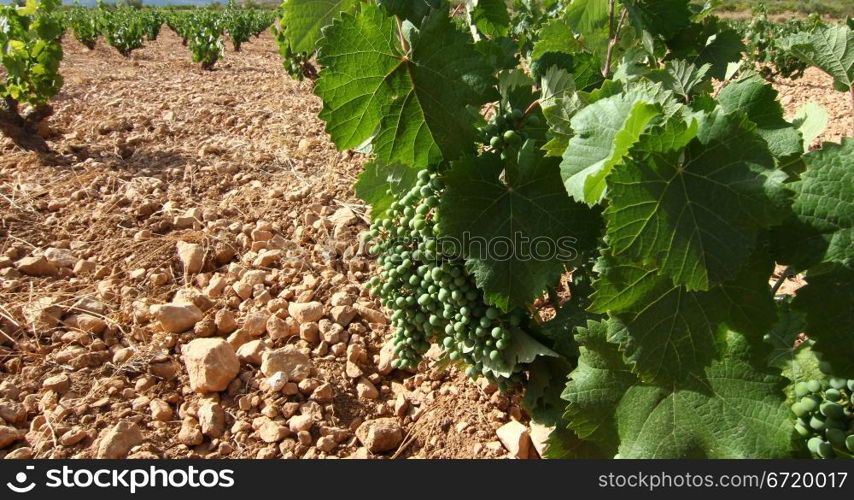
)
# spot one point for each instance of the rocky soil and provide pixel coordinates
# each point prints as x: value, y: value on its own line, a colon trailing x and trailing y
x: 182, y: 278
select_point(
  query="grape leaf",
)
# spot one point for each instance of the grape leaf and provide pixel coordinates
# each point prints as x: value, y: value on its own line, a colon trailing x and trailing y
x: 603, y: 134
x: 516, y: 234
x: 521, y: 349
x: 794, y: 358
x: 708, y: 42
x: 565, y: 444
x: 810, y: 120
x: 824, y: 202
x: 412, y: 10
x: 414, y: 106
x: 490, y: 16
x: 611, y: 408
x: 586, y: 15
x: 697, y: 210
x: 499, y: 53
x: 683, y: 78
x: 826, y: 300
x: 666, y: 330
x: 379, y: 183
x: 555, y: 36
x: 758, y: 99
x: 830, y: 49
x: 659, y: 17
x: 546, y: 379
x: 302, y: 20
x: 559, y: 102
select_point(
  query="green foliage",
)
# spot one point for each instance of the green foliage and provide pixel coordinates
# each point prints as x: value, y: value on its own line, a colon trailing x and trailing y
x: 206, y: 43
x: 765, y: 41
x: 829, y: 48
x: 693, y: 418
x: 85, y: 25
x: 124, y: 30
x: 572, y: 125
x: 31, y: 52
x: 242, y: 24
x: 392, y: 103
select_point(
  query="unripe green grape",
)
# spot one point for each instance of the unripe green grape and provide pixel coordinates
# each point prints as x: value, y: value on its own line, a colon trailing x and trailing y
x: 817, y: 423
x: 849, y: 443
x: 825, y: 450
x: 814, y: 385
x: 836, y: 437
x: 801, y: 389
x: 808, y: 404
x: 832, y: 410
x: 837, y: 423
x: 837, y: 383
x: 512, y: 138
x: 832, y: 394
x: 799, y: 410
x: 813, y: 444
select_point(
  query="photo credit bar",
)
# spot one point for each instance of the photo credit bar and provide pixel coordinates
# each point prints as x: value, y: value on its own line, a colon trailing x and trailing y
x: 118, y: 478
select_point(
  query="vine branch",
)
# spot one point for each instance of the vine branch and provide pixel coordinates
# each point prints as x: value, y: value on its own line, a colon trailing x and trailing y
x: 613, y: 35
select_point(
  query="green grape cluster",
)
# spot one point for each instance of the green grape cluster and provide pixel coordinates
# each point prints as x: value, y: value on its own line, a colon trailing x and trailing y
x: 431, y: 295
x: 506, y: 130
x: 824, y: 411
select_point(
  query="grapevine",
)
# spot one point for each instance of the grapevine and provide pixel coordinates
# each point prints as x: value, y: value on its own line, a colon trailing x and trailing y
x: 596, y: 121
x: 31, y: 53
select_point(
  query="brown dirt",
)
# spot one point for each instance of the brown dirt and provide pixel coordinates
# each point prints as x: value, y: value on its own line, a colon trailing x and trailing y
x: 138, y: 142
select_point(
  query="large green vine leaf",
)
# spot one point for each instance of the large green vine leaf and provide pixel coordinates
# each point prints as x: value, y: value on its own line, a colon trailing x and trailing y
x: 709, y: 42
x: 827, y: 302
x: 758, y: 99
x: 729, y: 410
x: 412, y: 10
x: 302, y: 20
x: 824, y: 201
x: 697, y: 210
x: 490, y: 16
x: 586, y: 15
x: 829, y: 48
x: 603, y: 134
x: 555, y: 36
x: 665, y: 18
x: 666, y: 331
x: 413, y: 106
x: 503, y: 224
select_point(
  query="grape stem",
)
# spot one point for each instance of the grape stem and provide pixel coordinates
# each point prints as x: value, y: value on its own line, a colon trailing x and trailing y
x: 613, y: 36
x: 534, y: 105
x: 851, y: 93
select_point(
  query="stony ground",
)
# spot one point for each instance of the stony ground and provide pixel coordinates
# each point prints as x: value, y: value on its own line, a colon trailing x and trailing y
x: 182, y: 277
